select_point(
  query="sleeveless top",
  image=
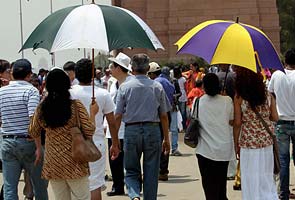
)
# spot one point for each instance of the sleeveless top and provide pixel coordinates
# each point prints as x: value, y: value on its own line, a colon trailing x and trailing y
x: 253, y: 134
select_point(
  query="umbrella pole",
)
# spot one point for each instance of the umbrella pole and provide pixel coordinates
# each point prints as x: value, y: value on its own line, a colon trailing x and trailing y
x: 93, y: 72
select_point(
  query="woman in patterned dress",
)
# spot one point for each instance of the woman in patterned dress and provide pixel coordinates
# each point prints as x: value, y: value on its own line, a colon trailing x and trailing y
x: 56, y: 114
x: 253, y: 144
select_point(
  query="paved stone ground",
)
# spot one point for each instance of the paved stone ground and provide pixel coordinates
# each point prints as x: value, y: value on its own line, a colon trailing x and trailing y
x: 184, y: 180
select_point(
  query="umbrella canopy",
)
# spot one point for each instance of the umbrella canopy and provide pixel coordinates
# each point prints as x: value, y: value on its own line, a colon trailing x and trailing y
x: 229, y: 42
x: 92, y: 26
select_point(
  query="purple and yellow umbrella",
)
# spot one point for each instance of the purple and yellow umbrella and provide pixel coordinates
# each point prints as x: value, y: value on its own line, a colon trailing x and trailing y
x: 229, y: 42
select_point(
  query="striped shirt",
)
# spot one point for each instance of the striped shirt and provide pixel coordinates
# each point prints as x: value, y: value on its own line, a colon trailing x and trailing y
x: 18, y: 102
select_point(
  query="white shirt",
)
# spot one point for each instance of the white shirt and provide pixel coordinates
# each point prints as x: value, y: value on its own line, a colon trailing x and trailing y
x: 181, y: 82
x: 75, y: 82
x: 283, y: 85
x: 110, y: 82
x: 113, y: 92
x: 216, y: 136
x: 104, y: 101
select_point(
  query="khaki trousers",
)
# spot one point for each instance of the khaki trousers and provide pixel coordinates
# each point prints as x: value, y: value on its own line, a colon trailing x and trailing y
x: 71, y: 189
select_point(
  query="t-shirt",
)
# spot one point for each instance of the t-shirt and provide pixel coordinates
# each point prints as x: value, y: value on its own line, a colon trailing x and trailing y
x: 104, y: 101
x: 216, y: 135
x: 283, y: 85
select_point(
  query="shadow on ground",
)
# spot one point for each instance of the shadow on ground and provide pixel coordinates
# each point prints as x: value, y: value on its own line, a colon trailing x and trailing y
x: 179, y: 179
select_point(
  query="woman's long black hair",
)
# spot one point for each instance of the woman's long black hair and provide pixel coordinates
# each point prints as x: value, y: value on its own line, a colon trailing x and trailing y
x: 56, y: 107
x: 250, y: 86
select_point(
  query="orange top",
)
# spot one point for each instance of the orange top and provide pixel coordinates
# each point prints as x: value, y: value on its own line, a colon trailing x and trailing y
x: 195, y: 92
x: 191, y: 78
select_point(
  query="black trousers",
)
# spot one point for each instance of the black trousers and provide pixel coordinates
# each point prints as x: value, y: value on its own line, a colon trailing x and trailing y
x: 117, y: 168
x: 213, y: 177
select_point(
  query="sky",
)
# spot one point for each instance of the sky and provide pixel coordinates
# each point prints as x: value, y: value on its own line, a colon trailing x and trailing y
x: 33, y: 12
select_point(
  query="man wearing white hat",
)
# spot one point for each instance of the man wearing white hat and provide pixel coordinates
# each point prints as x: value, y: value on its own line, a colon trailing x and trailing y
x: 120, y: 68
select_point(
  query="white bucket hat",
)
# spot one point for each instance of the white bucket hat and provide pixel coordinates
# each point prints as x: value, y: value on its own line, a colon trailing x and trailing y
x: 122, y: 60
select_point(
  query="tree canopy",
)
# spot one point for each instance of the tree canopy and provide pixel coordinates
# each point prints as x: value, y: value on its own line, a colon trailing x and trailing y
x: 287, y: 23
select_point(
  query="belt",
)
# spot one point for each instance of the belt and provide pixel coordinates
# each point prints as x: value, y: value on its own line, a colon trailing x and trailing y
x: 15, y: 136
x: 141, y: 123
x: 286, y: 122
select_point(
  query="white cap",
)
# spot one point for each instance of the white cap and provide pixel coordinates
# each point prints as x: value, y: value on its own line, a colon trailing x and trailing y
x: 154, y: 67
x: 122, y: 60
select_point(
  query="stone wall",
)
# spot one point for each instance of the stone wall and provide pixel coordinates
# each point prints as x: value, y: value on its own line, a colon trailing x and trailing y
x: 170, y: 19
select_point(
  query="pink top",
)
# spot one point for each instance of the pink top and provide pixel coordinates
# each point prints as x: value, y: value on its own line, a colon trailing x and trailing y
x: 253, y: 134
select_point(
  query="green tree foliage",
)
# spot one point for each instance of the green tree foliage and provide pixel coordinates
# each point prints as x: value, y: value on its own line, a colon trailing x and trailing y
x: 287, y: 23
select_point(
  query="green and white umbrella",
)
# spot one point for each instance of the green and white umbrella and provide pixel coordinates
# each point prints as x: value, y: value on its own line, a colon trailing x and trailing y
x: 92, y: 26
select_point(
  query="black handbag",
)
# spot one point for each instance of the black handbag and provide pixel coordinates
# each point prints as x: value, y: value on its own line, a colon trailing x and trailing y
x: 192, y: 132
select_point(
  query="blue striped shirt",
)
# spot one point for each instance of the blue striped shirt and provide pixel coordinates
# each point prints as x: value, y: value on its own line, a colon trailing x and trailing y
x: 18, y: 102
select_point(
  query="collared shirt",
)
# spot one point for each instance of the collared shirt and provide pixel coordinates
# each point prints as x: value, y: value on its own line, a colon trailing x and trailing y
x: 167, y: 85
x: 141, y: 99
x: 18, y: 102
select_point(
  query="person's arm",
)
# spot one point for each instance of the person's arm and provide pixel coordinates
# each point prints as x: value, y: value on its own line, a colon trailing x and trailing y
x: 38, y: 151
x: 34, y: 117
x: 166, y: 143
x: 231, y: 119
x: 93, y: 109
x: 115, y: 148
x: 186, y: 74
x: 35, y: 132
x: 237, y: 123
x: 273, y: 109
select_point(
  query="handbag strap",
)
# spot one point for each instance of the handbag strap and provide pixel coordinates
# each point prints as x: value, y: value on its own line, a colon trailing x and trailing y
x: 194, y: 108
x: 77, y: 114
x: 264, y: 123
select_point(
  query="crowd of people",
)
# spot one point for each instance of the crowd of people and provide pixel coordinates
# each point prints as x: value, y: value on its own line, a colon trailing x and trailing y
x: 138, y: 109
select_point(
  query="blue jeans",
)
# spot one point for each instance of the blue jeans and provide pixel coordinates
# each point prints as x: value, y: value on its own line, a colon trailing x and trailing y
x: 284, y: 134
x: 174, y: 130
x: 142, y: 139
x: 182, y: 109
x: 18, y: 154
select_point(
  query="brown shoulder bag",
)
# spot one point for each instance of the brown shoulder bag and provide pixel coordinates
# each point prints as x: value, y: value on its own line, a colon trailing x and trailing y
x: 276, y: 158
x: 83, y: 148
